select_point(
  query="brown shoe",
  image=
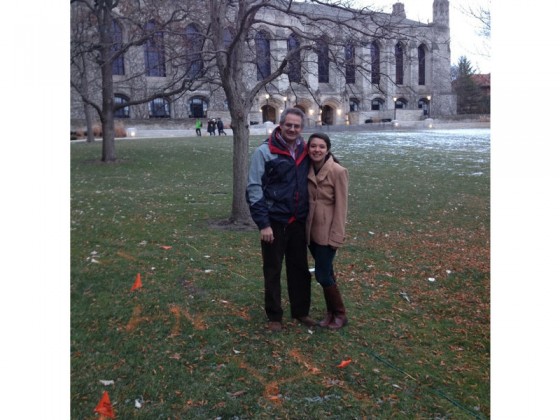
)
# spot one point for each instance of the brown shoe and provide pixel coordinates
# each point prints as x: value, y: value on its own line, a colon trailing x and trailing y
x: 338, y: 322
x: 274, y: 326
x: 326, y: 320
x: 306, y: 320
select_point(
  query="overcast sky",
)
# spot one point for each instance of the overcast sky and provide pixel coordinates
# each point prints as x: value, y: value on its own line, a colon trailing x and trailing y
x: 465, y: 38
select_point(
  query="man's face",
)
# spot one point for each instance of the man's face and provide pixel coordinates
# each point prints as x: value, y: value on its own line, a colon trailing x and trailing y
x: 291, y: 128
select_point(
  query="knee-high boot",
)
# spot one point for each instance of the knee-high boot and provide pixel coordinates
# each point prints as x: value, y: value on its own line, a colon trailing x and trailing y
x: 328, y: 302
x: 339, y: 318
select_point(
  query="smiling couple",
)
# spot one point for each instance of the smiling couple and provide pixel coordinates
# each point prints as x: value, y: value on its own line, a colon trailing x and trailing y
x: 298, y: 197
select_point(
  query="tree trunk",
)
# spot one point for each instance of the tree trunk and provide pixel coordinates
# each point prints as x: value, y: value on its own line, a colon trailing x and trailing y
x: 108, y: 153
x: 89, y: 124
x: 87, y: 109
x: 239, y: 208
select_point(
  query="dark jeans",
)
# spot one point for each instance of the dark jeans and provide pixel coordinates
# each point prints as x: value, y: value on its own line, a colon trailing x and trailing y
x: 289, y: 242
x: 324, y: 257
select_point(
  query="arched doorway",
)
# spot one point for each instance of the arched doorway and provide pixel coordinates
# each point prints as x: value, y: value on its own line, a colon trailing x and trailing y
x: 424, y: 105
x: 197, y: 107
x: 327, y: 115
x: 268, y: 113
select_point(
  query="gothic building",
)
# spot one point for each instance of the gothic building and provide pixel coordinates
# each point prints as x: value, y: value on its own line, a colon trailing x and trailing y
x: 403, y: 78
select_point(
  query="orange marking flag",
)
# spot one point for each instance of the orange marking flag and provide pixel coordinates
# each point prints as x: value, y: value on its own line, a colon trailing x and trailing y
x: 104, y: 407
x: 137, y: 283
x: 344, y: 363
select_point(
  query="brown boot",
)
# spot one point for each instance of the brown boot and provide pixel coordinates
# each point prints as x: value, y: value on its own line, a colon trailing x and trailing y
x: 339, y: 311
x: 329, y: 315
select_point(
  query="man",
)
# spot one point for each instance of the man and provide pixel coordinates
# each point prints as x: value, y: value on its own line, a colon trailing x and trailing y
x: 278, y: 200
x: 220, y: 126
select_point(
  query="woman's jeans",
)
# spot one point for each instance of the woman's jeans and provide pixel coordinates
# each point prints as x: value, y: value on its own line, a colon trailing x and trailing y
x: 324, y: 257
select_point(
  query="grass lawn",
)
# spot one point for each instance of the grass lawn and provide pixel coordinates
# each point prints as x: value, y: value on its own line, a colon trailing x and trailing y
x: 192, y: 343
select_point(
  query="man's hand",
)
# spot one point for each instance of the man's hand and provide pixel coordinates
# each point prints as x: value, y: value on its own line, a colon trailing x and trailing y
x: 267, y: 235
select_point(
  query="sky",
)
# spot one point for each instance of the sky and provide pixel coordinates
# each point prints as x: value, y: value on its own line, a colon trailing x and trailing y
x: 465, y: 38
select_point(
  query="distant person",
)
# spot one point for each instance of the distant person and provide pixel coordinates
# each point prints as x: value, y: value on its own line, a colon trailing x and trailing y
x: 220, y: 125
x: 278, y: 201
x: 326, y: 222
x: 198, y: 126
x: 211, y: 127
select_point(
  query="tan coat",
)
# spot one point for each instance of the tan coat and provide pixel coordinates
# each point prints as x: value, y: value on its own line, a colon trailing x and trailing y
x: 328, y: 204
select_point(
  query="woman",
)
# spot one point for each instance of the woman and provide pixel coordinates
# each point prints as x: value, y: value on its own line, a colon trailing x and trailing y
x: 327, y: 183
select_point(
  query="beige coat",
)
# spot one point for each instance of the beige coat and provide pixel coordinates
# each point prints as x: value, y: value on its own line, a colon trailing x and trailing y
x: 328, y: 204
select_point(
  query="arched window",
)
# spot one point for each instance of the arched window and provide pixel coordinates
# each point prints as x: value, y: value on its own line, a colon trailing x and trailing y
x: 120, y: 110
x: 377, y: 104
x: 194, y: 44
x: 375, y: 63
x: 422, y: 64
x: 399, y: 64
x: 262, y: 44
x: 154, y: 52
x: 401, y: 103
x: 160, y: 108
x: 118, y: 60
x: 197, y: 107
x: 323, y: 60
x: 350, y: 61
x: 294, y: 64
x: 354, y: 105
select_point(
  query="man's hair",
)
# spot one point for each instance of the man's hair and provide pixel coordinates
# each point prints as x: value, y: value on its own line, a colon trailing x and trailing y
x: 294, y: 111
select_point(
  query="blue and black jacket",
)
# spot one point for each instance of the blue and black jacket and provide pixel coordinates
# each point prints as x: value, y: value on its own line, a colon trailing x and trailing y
x: 277, y: 183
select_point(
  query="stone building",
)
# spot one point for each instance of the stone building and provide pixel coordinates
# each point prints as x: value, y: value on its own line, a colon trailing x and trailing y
x: 392, y: 78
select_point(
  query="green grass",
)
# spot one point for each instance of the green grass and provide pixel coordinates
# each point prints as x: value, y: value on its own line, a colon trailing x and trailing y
x: 192, y: 342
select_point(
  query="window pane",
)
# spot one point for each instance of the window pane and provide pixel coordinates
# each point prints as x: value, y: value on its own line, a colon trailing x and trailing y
x: 375, y: 64
x: 323, y: 61
x: 154, y: 53
x: 263, y: 55
x: 349, y: 55
x: 294, y: 65
x: 159, y: 108
x: 194, y: 48
x: 399, y: 64
x: 421, y: 65
x: 121, y: 112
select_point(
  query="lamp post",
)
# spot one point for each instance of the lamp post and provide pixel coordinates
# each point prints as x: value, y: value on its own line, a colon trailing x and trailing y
x: 395, y: 107
x: 265, y: 114
x: 429, y: 99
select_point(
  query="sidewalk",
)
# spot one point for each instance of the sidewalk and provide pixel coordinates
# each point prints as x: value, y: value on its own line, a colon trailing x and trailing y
x: 264, y: 129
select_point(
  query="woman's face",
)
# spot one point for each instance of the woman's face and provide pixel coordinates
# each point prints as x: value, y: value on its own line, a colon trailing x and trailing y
x: 317, y: 149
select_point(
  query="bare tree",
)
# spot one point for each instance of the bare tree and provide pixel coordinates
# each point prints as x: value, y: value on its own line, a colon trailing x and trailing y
x: 323, y: 29
x: 96, y: 47
x: 249, y: 47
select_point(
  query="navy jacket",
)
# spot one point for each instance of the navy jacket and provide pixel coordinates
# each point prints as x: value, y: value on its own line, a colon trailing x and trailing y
x: 277, y: 183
